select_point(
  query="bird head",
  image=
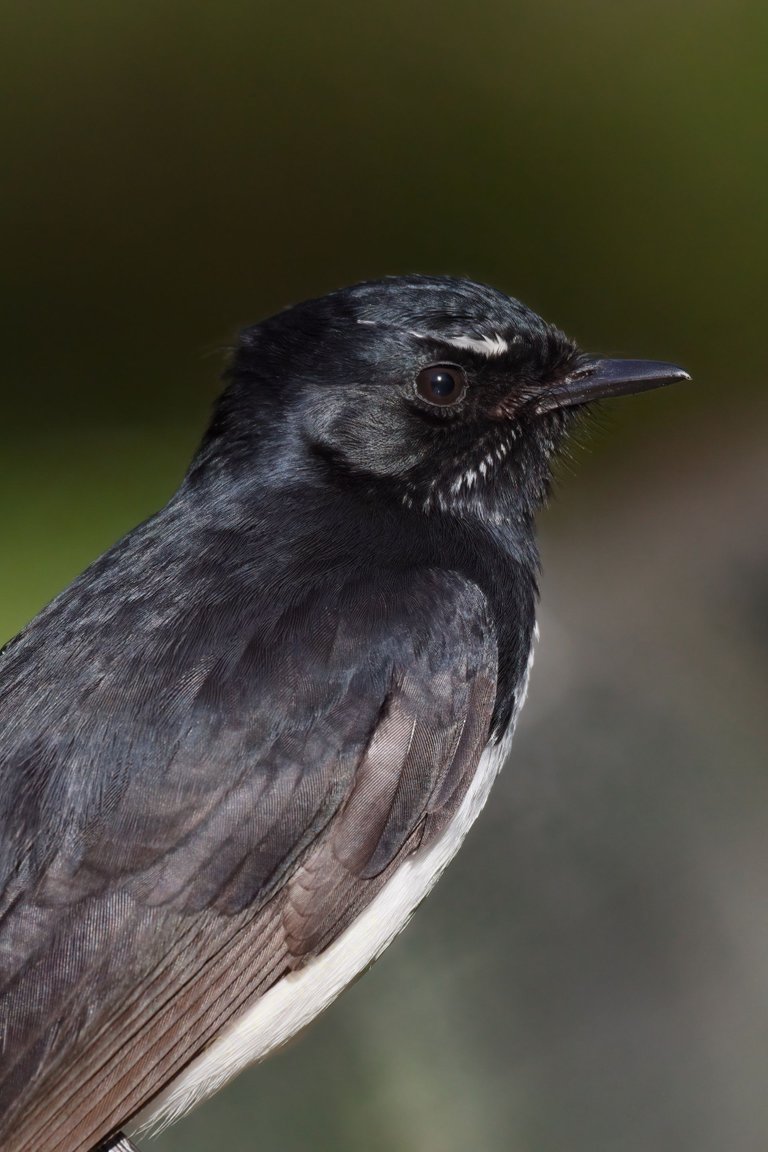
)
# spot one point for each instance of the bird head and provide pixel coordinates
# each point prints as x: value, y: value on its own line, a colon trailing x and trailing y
x: 443, y: 394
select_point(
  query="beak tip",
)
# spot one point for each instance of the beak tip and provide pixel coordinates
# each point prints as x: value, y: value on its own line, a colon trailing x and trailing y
x: 676, y: 374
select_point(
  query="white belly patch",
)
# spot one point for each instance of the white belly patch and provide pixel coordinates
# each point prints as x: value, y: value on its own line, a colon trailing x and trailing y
x: 297, y: 998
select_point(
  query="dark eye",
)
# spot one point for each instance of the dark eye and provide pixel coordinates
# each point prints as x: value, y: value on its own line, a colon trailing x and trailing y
x: 441, y: 384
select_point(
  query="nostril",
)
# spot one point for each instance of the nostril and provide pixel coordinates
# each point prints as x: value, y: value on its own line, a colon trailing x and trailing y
x: 582, y: 372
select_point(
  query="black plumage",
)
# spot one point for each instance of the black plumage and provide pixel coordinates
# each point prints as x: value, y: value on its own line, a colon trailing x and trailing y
x: 219, y: 742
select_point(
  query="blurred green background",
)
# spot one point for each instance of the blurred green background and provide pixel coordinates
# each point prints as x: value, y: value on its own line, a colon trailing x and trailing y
x: 592, y: 973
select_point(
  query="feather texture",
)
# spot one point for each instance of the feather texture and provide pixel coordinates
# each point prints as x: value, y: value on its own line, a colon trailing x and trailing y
x: 267, y: 824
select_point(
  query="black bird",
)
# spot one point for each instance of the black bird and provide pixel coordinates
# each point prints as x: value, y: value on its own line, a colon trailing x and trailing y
x: 241, y: 747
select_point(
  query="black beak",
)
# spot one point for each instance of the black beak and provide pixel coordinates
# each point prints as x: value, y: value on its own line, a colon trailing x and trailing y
x: 597, y: 379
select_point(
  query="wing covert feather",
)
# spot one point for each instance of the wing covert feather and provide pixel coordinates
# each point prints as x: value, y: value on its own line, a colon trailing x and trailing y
x: 218, y: 824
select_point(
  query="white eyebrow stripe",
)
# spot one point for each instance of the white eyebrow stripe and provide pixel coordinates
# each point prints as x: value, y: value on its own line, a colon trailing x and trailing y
x: 486, y: 345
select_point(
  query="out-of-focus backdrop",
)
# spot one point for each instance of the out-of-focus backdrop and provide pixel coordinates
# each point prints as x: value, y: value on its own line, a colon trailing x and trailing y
x: 592, y: 973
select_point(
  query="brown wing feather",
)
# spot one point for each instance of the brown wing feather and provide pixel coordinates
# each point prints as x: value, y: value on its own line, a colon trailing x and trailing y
x: 427, y: 763
x: 114, y: 1040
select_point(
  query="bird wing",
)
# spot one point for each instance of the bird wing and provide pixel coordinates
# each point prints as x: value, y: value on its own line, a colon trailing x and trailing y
x: 185, y: 819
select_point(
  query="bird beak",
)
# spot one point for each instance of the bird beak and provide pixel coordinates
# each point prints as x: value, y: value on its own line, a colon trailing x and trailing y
x: 597, y: 379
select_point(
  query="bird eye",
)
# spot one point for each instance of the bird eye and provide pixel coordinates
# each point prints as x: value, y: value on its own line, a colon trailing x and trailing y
x: 441, y: 384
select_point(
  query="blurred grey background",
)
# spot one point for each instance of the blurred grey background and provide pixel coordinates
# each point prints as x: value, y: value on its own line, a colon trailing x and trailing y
x: 592, y: 972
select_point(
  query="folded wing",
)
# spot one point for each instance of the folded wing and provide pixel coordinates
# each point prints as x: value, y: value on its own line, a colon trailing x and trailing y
x: 180, y: 840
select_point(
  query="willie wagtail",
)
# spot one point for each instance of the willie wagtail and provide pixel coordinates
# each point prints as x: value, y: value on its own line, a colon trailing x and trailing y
x: 241, y: 747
